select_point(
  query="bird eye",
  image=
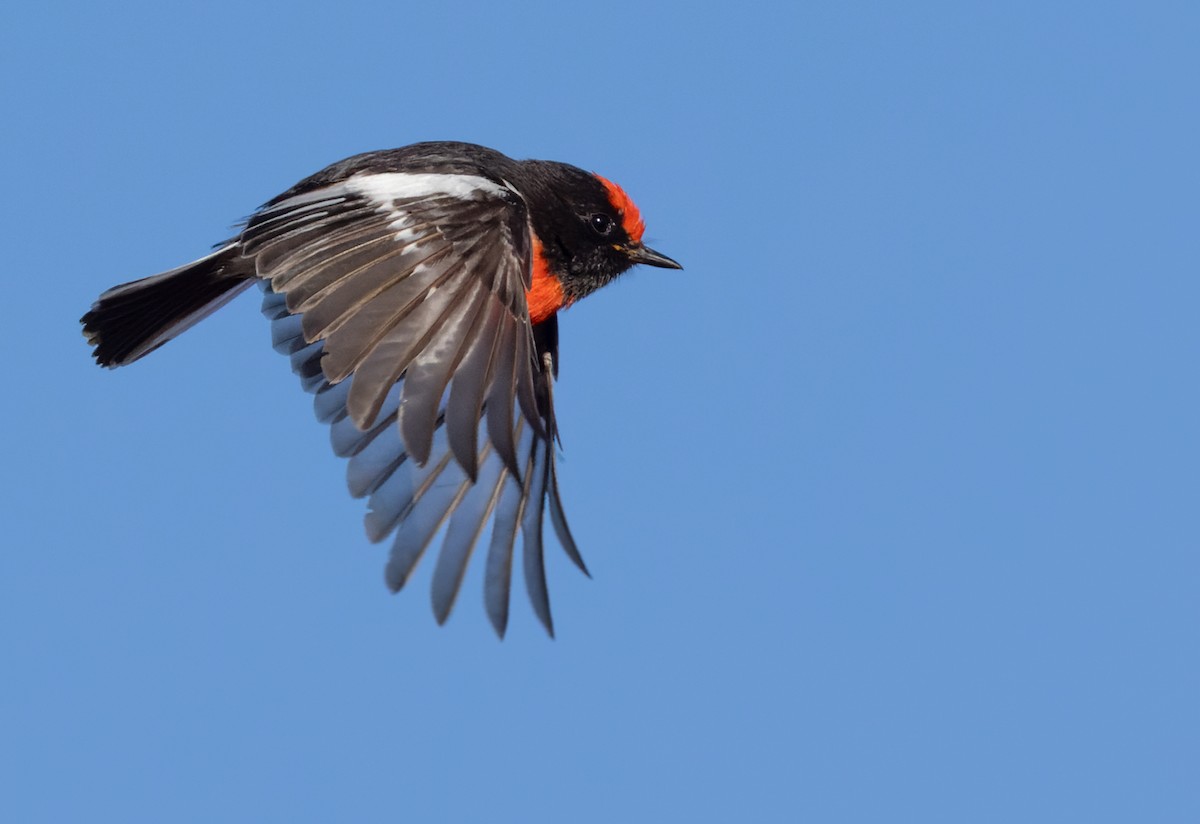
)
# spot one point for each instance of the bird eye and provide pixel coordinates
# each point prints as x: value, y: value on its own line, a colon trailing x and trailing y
x: 601, y: 223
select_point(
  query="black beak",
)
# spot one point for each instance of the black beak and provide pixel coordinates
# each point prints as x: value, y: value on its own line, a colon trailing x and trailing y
x: 646, y: 255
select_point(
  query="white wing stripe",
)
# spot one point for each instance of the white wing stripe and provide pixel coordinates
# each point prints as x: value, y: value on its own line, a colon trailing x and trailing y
x: 383, y: 188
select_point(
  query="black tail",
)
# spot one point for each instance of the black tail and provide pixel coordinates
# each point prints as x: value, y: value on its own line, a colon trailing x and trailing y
x: 134, y: 319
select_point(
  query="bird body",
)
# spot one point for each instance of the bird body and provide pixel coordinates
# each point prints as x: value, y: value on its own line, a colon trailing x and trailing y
x: 416, y: 291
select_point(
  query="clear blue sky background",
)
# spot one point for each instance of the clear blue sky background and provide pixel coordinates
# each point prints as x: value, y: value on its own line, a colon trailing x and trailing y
x: 891, y: 497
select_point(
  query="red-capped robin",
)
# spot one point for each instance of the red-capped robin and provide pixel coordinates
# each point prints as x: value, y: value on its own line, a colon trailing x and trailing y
x: 416, y: 291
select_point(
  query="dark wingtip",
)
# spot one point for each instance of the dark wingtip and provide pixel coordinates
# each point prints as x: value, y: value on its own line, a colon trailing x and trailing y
x: 545, y: 617
x: 499, y: 629
x: 391, y: 580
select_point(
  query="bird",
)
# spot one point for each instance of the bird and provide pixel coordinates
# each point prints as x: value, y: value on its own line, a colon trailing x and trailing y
x: 416, y: 292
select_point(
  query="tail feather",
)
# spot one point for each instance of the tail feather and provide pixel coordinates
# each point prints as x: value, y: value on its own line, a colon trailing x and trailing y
x: 133, y: 319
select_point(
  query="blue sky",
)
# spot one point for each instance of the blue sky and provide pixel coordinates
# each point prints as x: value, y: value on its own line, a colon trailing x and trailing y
x: 890, y: 497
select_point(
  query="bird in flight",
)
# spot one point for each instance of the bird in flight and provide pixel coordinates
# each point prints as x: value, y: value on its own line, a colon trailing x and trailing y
x: 416, y: 292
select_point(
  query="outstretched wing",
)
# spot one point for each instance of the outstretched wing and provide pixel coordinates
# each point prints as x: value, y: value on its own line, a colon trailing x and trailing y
x: 400, y: 298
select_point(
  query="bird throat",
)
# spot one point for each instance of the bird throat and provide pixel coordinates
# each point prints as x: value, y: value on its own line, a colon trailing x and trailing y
x: 545, y: 296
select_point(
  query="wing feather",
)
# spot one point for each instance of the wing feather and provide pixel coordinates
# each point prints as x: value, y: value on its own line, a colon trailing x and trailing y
x: 424, y: 516
x: 500, y: 400
x: 470, y: 381
x: 497, y: 574
x: 429, y: 373
x: 531, y: 528
x: 466, y: 525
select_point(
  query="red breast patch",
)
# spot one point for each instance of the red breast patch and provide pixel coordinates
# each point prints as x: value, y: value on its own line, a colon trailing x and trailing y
x: 545, y: 296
